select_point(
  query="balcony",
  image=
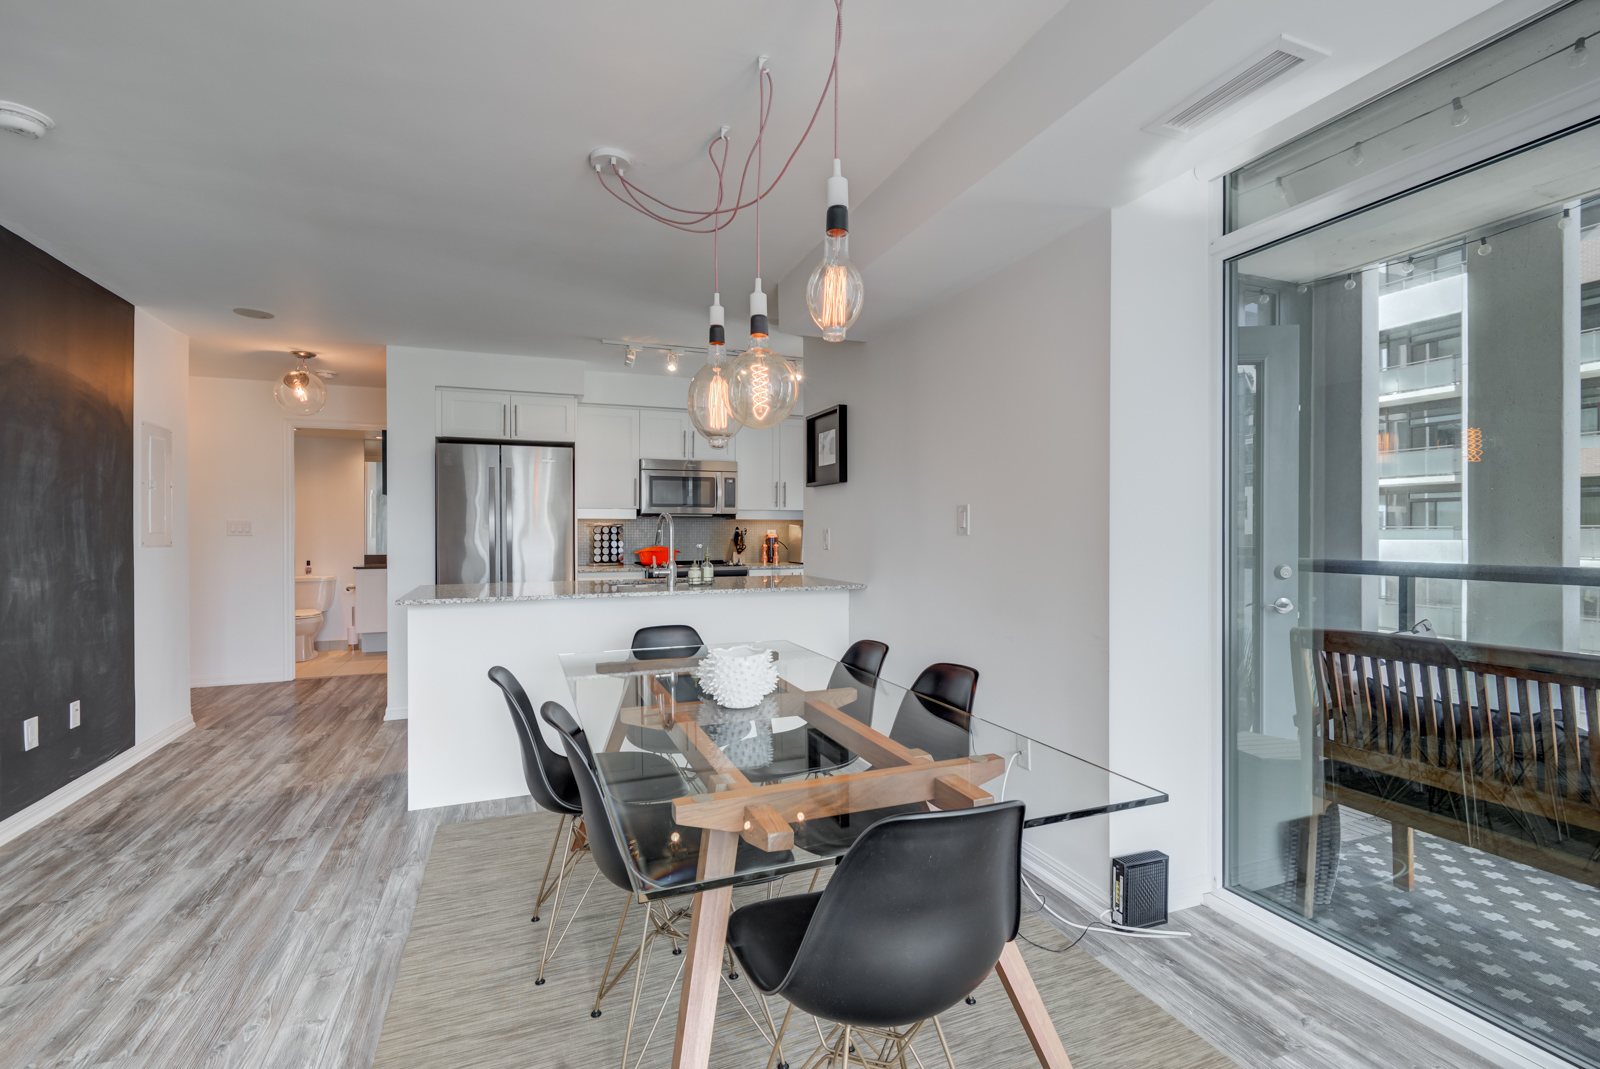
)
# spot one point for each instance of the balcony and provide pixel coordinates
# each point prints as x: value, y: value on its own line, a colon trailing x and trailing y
x: 1438, y: 373
x: 1431, y: 533
x: 1436, y: 463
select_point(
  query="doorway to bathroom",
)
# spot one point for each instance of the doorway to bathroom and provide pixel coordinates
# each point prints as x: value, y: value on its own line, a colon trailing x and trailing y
x: 340, y: 552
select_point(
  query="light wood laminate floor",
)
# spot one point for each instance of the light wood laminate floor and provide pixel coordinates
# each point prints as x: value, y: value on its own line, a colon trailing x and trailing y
x: 342, y: 663
x: 242, y: 897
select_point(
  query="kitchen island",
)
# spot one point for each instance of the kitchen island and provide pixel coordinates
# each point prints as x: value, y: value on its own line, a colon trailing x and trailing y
x: 461, y: 742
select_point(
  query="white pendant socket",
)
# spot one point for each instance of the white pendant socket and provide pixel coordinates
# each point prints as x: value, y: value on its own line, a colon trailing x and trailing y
x: 605, y: 160
x: 24, y: 121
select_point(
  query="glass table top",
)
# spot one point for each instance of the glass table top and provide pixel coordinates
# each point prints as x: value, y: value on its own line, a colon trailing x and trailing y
x: 794, y: 754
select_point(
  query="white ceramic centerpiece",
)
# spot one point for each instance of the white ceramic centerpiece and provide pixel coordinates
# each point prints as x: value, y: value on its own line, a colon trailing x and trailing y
x: 738, y: 677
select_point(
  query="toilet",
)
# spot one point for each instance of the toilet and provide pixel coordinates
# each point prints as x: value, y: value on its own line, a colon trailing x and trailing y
x: 313, y: 596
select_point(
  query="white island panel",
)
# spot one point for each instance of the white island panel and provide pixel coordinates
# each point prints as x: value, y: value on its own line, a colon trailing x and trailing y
x: 462, y: 745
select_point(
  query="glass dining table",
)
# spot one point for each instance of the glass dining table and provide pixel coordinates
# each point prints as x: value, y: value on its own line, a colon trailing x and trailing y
x: 710, y: 791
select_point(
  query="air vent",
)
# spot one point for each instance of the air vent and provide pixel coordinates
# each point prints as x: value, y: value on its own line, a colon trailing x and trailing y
x: 1205, y: 106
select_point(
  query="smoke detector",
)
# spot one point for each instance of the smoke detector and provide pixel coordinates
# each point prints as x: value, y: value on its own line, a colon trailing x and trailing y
x: 24, y: 121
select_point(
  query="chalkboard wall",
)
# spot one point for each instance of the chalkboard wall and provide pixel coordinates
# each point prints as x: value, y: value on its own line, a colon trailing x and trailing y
x: 66, y: 521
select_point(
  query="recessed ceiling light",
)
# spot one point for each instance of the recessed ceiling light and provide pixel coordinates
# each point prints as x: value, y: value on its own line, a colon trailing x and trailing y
x: 253, y: 313
x: 24, y: 121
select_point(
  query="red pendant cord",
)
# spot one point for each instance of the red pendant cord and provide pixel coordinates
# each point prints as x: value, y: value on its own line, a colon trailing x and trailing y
x: 693, y: 218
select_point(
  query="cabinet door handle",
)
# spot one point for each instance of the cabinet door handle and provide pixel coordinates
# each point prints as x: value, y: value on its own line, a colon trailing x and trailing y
x: 774, y: 495
x: 686, y: 444
x: 785, y: 495
x: 635, y: 491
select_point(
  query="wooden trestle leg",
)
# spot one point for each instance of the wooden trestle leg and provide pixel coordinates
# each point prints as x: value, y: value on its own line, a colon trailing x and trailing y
x: 702, y: 972
x: 1018, y: 982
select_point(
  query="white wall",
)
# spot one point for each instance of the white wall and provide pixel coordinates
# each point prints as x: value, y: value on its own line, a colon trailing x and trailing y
x: 1165, y: 522
x: 241, y: 464
x: 161, y: 573
x: 330, y: 526
x: 998, y: 398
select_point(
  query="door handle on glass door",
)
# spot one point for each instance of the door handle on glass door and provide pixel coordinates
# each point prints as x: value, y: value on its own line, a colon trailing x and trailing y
x: 1283, y: 605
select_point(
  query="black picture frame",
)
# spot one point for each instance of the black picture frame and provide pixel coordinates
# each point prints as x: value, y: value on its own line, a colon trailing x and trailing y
x: 826, y: 437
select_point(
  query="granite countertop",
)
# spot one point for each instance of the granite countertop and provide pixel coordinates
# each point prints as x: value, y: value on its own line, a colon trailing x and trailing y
x: 472, y: 593
x: 638, y: 569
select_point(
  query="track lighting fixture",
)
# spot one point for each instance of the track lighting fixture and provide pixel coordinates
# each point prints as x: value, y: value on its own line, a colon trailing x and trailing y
x: 1350, y: 282
x: 1580, y: 52
x: 1458, y: 112
x: 628, y: 358
x: 1484, y: 248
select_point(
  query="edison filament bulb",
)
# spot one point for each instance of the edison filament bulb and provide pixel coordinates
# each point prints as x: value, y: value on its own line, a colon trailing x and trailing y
x: 301, y: 391
x: 764, y: 386
x: 711, y: 389
x: 834, y: 292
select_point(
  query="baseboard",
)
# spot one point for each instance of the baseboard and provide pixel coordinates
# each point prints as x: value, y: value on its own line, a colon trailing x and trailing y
x: 396, y: 712
x: 1471, y: 1031
x: 1064, y: 881
x: 90, y: 781
x: 238, y: 681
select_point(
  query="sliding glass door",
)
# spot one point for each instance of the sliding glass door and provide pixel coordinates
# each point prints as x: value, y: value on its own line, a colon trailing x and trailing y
x: 1414, y: 646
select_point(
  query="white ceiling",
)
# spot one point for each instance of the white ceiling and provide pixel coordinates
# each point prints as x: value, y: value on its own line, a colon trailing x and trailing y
x: 380, y: 172
x: 413, y: 174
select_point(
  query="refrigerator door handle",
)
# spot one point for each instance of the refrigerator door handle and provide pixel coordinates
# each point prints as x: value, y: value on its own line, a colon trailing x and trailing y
x: 505, y: 524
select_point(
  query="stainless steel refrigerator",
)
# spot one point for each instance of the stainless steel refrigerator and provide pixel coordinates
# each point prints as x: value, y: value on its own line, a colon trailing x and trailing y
x: 504, y: 513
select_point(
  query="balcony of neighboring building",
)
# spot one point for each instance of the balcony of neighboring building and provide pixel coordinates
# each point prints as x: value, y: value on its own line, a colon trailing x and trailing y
x: 1439, y: 377
x: 1427, y: 464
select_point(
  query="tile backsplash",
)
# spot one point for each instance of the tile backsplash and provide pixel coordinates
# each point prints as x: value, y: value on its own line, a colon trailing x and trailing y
x: 713, y: 532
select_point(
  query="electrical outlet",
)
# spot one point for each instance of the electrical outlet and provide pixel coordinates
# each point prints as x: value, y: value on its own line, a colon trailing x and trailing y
x: 827, y: 538
x: 30, y: 733
x: 239, y: 529
x: 1025, y: 754
x: 963, y: 519
x: 75, y: 714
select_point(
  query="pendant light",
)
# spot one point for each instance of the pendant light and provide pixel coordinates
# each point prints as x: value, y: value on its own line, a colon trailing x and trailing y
x: 710, y: 391
x: 834, y: 292
x: 765, y: 385
x: 301, y: 391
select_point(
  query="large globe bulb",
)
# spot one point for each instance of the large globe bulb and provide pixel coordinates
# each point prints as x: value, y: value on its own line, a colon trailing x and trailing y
x: 711, y: 404
x: 301, y: 392
x: 765, y: 387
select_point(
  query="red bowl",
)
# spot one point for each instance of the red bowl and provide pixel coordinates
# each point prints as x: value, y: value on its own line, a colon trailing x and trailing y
x: 654, y: 556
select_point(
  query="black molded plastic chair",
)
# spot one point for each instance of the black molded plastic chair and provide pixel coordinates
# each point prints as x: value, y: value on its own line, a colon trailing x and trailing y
x: 916, y: 915
x: 659, y: 643
x: 801, y: 750
x: 664, y: 852
x: 935, y: 715
x: 549, y: 779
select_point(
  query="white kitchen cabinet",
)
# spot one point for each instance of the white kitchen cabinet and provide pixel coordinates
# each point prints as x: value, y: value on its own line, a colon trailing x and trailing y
x: 473, y: 413
x: 772, y: 470
x: 531, y: 417
x: 607, y: 457
x: 792, y: 463
x: 664, y: 434
x: 543, y: 417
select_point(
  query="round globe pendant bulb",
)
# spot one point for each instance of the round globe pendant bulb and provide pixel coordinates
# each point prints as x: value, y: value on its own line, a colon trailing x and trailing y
x: 711, y: 401
x: 765, y: 387
x: 300, y: 391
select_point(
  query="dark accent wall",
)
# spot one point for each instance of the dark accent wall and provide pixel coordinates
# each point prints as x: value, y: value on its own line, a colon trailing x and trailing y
x: 66, y: 521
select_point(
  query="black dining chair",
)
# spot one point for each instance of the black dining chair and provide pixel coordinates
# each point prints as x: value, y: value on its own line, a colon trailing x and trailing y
x: 936, y: 716
x: 660, y: 643
x: 917, y: 914
x: 805, y: 749
x: 549, y: 778
x: 665, y: 853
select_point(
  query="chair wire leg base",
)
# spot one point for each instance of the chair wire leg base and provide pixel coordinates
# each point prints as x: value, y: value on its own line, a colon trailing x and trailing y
x: 538, y: 902
x: 869, y: 1048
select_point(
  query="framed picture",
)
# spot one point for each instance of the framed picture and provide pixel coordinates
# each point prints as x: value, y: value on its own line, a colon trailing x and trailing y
x: 827, y: 447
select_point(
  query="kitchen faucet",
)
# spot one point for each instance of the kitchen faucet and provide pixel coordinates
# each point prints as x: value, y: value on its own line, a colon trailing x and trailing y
x: 672, y: 557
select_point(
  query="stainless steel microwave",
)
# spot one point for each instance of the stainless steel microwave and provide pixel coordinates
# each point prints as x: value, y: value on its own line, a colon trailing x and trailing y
x: 688, y: 487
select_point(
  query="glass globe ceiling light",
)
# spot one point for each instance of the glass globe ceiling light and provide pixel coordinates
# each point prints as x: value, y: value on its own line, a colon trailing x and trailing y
x: 710, y: 391
x: 301, y: 391
x: 765, y: 386
x: 834, y: 292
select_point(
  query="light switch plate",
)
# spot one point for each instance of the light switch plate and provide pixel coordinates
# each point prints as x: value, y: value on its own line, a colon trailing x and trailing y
x: 963, y: 519
x: 30, y: 733
x: 75, y: 714
x: 827, y: 538
x: 239, y: 529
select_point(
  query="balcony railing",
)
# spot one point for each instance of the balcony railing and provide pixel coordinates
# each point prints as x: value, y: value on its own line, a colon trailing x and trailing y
x: 1424, y: 375
x: 1589, y: 543
x: 1417, y: 463
x: 1427, y: 532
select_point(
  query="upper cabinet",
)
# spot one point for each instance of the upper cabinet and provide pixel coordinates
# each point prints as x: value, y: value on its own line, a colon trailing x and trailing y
x: 607, y: 457
x: 528, y: 417
x: 772, y: 467
x: 667, y: 434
